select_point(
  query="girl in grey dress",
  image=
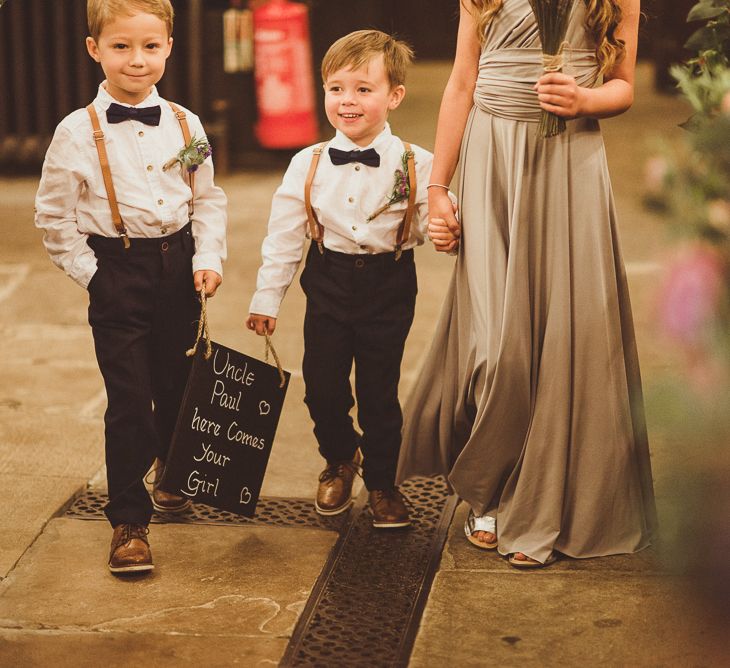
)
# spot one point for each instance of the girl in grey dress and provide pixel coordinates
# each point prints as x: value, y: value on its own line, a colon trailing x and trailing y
x: 530, y: 398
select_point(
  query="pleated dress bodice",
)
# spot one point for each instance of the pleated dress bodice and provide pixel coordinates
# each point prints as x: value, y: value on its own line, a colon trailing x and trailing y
x: 512, y: 61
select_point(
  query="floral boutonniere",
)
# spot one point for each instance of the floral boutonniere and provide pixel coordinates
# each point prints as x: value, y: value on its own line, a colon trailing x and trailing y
x: 191, y: 156
x: 401, y: 187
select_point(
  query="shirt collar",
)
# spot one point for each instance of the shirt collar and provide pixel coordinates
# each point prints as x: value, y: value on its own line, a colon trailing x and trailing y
x: 380, y: 142
x: 104, y: 100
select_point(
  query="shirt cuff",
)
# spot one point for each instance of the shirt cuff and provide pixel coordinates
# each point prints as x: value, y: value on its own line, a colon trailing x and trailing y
x: 261, y: 304
x: 209, y: 261
x: 83, y: 269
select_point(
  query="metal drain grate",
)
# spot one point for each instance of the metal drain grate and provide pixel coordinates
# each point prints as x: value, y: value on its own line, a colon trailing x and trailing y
x: 367, y: 603
x: 269, y: 511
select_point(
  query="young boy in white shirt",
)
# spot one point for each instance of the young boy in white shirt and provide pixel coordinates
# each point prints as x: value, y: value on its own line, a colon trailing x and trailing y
x: 359, y: 278
x: 143, y: 237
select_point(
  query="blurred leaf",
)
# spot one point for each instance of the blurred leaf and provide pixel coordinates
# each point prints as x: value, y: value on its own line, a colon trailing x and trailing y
x: 704, y: 11
x: 692, y: 124
x: 700, y: 39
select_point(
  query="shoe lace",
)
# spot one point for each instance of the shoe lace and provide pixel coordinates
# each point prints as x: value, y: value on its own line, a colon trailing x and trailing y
x: 395, y: 493
x: 334, y: 471
x: 132, y: 531
x: 153, y: 476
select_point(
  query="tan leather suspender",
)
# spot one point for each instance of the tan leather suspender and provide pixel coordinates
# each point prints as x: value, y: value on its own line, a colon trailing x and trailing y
x: 316, y: 230
x: 180, y: 115
x: 107, y: 174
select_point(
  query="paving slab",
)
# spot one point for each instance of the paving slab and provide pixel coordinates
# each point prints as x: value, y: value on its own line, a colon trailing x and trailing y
x: 244, y: 584
x: 50, y: 445
x: 553, y: 618
x: 28, y: 502
x: 40, y: 649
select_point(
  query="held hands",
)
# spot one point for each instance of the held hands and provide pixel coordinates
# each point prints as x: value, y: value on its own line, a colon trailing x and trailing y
x: 261, y: 324
x: 211, y: 279
x: 443, y: 227
x: 559, y: 94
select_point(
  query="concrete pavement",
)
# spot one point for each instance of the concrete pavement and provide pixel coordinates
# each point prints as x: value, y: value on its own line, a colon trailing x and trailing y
x: 224, y: 595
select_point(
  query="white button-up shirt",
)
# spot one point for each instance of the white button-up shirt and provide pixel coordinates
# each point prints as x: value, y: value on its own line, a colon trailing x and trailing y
x: 72, y: 201
x: 343, y: 197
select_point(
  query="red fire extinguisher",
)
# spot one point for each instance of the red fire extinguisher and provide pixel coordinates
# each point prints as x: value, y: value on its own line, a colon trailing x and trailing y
x: 284, y: 78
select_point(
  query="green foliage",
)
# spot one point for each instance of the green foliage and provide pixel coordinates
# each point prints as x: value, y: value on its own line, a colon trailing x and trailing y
x: 689, y: 183
x: 712, y: 40
x: 703, y: 88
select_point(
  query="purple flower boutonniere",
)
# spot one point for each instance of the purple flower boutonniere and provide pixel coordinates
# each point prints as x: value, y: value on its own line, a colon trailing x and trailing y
x: 191, y: 156
x: 401, y: 187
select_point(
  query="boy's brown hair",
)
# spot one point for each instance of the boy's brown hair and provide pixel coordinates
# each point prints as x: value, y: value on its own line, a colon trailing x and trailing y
x: 101, y: 12
x: 359, y: 47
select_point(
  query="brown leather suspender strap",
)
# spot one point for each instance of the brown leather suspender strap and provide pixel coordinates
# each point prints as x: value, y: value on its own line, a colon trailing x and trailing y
x: 404, y: 232
x: 316, y: 231
x: 180, y: 115
x: 107, y: 175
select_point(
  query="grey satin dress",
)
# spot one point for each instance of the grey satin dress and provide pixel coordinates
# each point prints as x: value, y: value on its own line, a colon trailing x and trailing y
x: 530, y: 399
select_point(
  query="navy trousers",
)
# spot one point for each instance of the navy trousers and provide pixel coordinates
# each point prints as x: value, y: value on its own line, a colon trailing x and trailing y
x: 359, y: 310
x: 143, y: 311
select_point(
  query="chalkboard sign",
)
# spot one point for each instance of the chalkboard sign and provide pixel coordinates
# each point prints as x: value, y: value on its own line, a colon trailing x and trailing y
x: 225, y: 430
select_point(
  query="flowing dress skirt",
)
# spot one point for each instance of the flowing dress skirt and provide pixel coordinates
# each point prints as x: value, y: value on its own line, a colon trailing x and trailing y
x: 530, y: 398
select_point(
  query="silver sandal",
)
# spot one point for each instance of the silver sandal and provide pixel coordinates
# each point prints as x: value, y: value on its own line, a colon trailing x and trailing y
x: 483, y: 523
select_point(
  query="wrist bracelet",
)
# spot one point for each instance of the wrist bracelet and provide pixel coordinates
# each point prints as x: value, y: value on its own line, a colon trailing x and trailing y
x: 437, y: 185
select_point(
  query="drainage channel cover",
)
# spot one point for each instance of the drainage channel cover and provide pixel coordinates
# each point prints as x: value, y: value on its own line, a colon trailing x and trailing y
x: 367, y: 603
x: 269, y: 511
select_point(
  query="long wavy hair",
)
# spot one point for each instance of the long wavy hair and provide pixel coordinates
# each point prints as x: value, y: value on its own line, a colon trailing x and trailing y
x: 602, y: 19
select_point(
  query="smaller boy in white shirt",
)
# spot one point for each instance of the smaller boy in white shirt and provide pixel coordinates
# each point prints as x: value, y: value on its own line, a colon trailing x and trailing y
x: 362, y: 201
x: 143, y: 233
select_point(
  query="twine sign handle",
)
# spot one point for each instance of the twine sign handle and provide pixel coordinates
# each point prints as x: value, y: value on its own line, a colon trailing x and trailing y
x: 203, y: 332
x: 270, y: 347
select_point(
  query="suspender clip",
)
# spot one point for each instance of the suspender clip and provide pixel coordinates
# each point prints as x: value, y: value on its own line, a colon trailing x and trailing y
x: 98, y: 135
x: 398, y: 252
x: 125, y: 239
x: 320, y: 245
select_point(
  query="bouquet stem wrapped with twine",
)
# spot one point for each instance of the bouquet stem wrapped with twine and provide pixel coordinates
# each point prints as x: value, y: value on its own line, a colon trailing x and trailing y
x: 552, y: 22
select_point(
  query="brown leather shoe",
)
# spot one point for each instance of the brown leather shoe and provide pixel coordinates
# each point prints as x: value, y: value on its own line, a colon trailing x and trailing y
x: 165, y: 502
x: 388, y: 509
x: 334, y: 494
x: 130, y: 551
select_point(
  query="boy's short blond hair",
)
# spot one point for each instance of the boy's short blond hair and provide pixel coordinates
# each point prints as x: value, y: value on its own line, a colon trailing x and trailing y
x: 359, y: 47
x: 101, y: 12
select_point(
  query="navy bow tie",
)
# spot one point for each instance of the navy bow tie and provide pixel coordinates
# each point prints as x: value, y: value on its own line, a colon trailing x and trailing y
x: 369, y: 157
x: 147, y: 115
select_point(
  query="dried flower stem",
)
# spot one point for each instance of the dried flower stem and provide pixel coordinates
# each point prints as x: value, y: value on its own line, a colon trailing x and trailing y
x: 552, y: 18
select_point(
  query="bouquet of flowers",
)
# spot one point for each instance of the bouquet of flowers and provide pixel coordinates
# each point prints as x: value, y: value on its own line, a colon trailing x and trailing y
x: 552, y: 23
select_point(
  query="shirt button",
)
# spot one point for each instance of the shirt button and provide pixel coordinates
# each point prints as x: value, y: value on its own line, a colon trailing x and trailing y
x: 364, y: 247
x: 160, y: 202
x: 140, y: 133
x: 350, y: 199
x: 354, y: 227
x: 150, y: 168
x: 357, y: 168
x: 163, y: 230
